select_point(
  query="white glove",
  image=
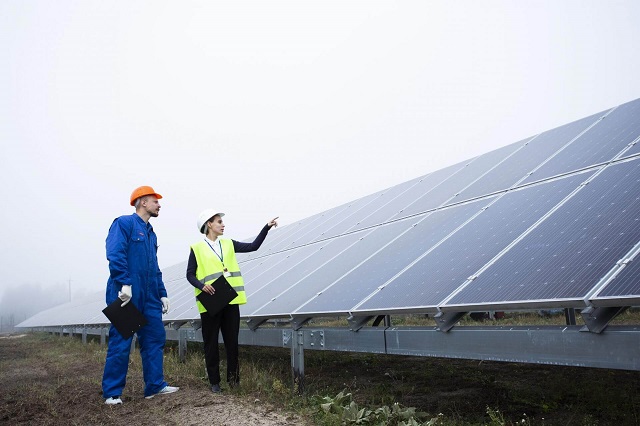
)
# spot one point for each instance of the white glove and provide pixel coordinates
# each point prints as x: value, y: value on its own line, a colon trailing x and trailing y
x: 125, y: 294
x: 165, y: 304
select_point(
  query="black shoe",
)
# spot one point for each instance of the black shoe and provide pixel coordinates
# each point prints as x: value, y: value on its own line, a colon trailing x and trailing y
x: 216, y: 388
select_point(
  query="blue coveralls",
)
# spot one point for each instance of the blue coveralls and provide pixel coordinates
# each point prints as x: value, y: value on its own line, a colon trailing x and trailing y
x: 132, y: 254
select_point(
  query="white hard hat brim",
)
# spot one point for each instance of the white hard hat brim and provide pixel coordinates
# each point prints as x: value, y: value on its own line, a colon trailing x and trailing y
x: 205, y: 216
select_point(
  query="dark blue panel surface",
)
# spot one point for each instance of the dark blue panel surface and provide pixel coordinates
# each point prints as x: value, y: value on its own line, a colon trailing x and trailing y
x: 421, y: 187
x: 445, y: 193
x: 175, y: 272
x: 300, y: 231
x: 599, y: 144
x: 367, y: 244
x: 280, y: 234
x: 635, y: 149
x: 289, y: 272
x: 443, y: 270
x: 178, y: 288
x: 569, y: 252
x: 272, y: 266
x: 516, y: 167
x: 347, y: 214
x: 183, y: 299
x: 627, y: 283
x: 391, y: 259
x: 180, y: 292
x: 377, y: 202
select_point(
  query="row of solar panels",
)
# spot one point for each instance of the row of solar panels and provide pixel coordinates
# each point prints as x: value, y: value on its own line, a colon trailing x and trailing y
x: 551, y: 221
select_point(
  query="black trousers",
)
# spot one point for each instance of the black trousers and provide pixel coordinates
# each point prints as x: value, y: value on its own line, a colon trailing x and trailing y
x: 226, y: 321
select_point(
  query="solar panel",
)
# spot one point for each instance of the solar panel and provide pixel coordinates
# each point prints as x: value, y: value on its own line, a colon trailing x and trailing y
x: 367, y: 243
x: 269, y: 287
x: 523, y: 161
x: 381, y: 200
x: 568, y: 253
x: 260, y: 264
x: 511, y: 228
x: 275, y: 266
x: 428, y: 282
x: 390, y: 259
x: 445, y: 193
x: 345, y: 218
x: 182, y: 297
x: 82, y: 311
x: 174, y: 272
x: 599, y: 144
x: 624, y: 290
x: 635, y: 149
x: 289, y: 236
x: 394, y: 207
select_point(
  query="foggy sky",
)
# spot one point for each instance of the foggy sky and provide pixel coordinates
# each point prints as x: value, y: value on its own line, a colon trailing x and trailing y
x: 263, y: 109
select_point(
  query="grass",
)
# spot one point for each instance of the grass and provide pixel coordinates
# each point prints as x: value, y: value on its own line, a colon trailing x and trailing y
x: 343, y: 388
x: 465, y: 392
x: 452, y: 391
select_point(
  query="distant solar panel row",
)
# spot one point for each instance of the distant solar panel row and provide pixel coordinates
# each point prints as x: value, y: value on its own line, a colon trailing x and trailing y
x: 538, y: 223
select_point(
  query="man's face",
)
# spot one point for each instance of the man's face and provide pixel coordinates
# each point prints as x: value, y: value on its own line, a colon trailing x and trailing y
x: 216, y: 225
x: 151, y: 205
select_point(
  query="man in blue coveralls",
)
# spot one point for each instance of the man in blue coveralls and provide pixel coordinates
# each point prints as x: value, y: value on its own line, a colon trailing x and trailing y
x: 135, y: 277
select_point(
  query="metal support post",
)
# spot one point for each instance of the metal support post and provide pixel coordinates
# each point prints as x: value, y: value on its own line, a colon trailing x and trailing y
x: 254, y: 323
x: 103, y: 335
x: 597, y: 319
x: 356, y: 322
x: 570, y: 316
x: 182, y: 344
x: 84, y: 335
x: 297, y: 361
x: 446, y: 320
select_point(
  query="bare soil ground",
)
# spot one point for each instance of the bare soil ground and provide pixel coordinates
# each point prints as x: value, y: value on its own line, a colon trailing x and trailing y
x: 37, y: 390
x: 48, y: 380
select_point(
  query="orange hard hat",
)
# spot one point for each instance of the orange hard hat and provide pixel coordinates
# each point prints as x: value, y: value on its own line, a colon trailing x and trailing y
x: 141, y: 192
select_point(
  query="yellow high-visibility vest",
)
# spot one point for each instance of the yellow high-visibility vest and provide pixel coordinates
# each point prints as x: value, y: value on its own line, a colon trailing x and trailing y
x: 211, y: 267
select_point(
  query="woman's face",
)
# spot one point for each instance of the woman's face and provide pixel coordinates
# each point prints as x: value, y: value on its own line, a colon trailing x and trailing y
x: 215, y: 226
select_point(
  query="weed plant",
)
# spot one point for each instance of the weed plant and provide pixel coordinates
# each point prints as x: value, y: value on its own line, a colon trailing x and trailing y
x: 358, y: 388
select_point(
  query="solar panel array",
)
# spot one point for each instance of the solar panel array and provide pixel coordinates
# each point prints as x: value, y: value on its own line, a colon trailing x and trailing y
x: 549, y: 221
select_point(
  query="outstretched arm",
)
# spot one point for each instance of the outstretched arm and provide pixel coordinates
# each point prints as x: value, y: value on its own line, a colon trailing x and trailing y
x: 241, y: 247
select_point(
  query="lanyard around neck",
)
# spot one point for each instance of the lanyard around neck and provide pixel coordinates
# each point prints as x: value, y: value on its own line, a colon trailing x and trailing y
x: 221, y: 255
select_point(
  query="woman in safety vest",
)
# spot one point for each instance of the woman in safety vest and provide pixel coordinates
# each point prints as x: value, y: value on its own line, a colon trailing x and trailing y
x: 209, y: 259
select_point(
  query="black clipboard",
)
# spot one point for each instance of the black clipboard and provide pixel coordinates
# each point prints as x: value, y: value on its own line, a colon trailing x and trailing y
x: 126, y: 319
x: 224, y: 294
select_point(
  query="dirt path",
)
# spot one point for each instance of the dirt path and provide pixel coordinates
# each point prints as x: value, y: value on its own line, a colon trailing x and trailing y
x: 38, y: 387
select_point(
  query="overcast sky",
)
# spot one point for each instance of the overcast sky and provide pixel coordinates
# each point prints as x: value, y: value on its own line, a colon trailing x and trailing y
x: 268, y: 108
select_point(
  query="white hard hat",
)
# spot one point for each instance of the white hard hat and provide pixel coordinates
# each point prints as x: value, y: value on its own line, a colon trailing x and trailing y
x: 204, y: 217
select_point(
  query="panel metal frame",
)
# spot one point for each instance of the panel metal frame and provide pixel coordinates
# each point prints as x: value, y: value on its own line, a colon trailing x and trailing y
x: 615, y: 348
